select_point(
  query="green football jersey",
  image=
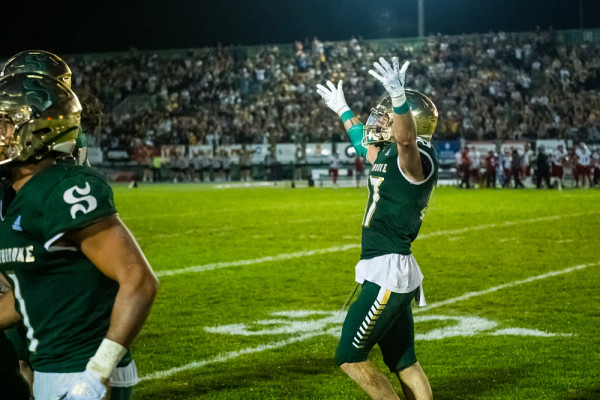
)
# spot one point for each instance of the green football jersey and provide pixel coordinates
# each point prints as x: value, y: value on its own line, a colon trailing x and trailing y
x: 65, y: 301
x: 395, y: 208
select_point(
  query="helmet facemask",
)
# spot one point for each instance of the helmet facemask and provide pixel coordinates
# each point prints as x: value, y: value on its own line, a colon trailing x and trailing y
x: 378, y: 129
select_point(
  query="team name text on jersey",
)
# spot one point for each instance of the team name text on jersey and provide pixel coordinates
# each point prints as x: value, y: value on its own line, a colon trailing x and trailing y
x: 17, y: 254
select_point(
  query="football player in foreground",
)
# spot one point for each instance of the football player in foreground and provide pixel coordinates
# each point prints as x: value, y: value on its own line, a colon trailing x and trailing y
x: 46, y: 63
x: 83, y: 287
x: 404, y: 171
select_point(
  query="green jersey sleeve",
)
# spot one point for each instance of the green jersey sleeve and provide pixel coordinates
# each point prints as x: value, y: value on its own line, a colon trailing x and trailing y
x: 78, y: 200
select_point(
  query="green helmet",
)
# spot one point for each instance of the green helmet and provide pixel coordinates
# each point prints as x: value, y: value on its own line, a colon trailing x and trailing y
x: 378, y: 129
x: 38, y: 115
x: 41, y: 62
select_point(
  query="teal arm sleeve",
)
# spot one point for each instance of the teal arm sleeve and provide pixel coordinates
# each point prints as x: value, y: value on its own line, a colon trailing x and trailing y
x: 356, y: 135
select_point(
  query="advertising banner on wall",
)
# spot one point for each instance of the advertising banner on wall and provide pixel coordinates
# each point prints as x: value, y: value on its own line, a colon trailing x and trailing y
x: 550, y: 144
x: 446, y: 150
x: 286, y: 153
x: 259, y: 152
x: 94, y: 155
x: 318, y: 153
x: 346, y: 152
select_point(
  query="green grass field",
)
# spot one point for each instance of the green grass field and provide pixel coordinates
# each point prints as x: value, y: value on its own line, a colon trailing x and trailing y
x: 252, y: 281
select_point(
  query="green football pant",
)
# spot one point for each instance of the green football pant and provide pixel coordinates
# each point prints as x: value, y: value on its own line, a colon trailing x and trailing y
x: 379, y: 316
x: 120, y: 393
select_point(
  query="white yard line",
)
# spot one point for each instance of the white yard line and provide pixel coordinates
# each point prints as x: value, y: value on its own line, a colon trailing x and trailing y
x: 223, y: 357
x: 279, y: 257
x: 336, y: 249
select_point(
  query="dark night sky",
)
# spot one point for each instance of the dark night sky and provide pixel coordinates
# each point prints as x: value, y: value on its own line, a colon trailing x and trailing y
x: 98, y: 26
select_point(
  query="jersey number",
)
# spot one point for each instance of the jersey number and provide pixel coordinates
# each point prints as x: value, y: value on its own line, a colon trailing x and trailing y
x: 33, y: 342
x: 375, y: 182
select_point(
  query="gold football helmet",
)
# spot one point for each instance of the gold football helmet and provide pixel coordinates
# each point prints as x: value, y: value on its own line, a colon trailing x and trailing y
x: 378, y: 129
x: 38, y: 115
x: 38, y: 61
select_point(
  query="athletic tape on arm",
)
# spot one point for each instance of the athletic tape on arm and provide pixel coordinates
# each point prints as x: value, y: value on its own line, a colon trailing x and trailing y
x: 356, y: 135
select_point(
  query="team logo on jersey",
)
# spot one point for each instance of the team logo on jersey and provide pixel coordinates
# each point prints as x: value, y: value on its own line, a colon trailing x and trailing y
x: 17, y: 224
x: 78, y: 202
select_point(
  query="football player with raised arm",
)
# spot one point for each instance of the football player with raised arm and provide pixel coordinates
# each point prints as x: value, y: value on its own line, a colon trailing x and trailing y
x: 404, y: 171
x: 82, y: 285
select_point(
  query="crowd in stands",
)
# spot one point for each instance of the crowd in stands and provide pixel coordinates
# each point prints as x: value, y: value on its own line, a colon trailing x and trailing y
x: 497, y: 85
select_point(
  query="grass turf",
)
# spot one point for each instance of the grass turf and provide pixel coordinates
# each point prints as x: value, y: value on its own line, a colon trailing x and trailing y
x: 470, y: 241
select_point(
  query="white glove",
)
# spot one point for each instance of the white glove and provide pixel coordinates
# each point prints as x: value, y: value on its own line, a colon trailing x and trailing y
x: 85, y: 386
x: 334, y: 97
x: 392, y: 79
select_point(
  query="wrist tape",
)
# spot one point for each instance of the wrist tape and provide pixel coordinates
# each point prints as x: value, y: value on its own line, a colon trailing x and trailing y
x: 399, y: 100
x: 106, y: 359
x: 346, y: 115
x: 403, y: 109
x: 342, y: 110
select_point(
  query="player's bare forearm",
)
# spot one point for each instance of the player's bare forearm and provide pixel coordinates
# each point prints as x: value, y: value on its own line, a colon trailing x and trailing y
x: 114, y: 251
x: 130, y: 310
x: 405, y: 134
x: 350, y: 123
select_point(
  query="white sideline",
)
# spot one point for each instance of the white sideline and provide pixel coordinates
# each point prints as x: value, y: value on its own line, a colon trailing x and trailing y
x: 222, y: 357
x: 336, y: 249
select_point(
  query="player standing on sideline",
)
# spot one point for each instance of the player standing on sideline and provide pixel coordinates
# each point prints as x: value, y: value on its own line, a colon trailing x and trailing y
x: 506, y: 166
x: 458, y: 164
x: 526, y: 166
x: 465, y: 167
x: 596, y: 164
x: 516, y: 168
x: 334, y: 167
x: 543, y: 168
x: 490, y: 170
x: 62, y: 240
x: 584, y: 160
x: 359, y: 170
x: 559, y: 156
x: 404, y: 172
x: 475, y: 158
